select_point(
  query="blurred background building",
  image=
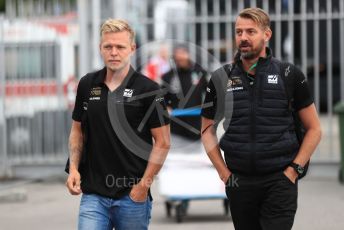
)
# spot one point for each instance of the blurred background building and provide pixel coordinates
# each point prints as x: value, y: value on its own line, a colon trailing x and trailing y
x: 47, y: 45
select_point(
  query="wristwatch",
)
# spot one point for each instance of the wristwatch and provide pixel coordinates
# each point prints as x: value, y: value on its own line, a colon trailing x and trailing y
x: 298, y: 168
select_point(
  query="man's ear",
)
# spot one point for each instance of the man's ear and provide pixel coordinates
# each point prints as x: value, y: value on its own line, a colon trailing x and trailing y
x: 133, y: 47
x: 267, y: 34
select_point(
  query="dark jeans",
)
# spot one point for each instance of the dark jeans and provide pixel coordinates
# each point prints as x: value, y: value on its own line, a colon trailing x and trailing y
x: 262, y: 203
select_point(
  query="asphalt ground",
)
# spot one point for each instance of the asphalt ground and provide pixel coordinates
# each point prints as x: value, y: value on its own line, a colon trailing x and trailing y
x: 46, y: 204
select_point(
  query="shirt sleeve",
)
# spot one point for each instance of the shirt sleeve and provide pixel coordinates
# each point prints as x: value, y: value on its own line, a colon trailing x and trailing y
x: 79, y: 100
x: 156, y: 107
x: 302, y: 94
x: 210, y: 100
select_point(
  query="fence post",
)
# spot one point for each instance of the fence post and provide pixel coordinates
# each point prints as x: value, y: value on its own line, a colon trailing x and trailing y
x: 84, y: 54
x: 4, y: 166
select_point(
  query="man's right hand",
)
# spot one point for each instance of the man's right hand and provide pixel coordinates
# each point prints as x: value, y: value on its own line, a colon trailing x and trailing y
x: 73, y: 182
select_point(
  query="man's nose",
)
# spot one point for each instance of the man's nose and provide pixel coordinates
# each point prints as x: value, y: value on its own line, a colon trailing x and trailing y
x: 244, y: 36
x: 114, y: 51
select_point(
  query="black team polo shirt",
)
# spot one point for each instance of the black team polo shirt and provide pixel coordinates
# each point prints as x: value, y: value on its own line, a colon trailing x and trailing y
x: 116, y: 127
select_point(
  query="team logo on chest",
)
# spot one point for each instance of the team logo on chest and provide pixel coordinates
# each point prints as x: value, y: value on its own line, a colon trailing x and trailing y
x: 95, y: 94
x: 273, y: 79
x: 234, y: 84
x: 128, y: 92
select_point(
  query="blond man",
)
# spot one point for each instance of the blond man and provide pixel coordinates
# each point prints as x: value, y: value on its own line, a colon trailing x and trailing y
x: 113, y: 158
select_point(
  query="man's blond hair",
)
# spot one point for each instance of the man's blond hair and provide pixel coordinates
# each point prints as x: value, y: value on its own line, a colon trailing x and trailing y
x: 257, y: 15
x: 117, y: 25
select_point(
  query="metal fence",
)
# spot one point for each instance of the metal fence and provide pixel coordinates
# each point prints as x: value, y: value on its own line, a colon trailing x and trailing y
x: 4, y: 167
x: 309, y: 33
x: 34, y: 116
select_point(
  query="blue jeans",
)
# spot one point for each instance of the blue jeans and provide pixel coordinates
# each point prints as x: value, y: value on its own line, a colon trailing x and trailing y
x: 102, y: 213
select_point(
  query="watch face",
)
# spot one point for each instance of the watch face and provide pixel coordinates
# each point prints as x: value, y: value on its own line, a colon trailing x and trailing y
x: 299, y: 169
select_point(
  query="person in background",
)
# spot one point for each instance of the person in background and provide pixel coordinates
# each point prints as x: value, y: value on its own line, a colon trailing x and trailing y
x: 185, y: 84
x: 158, y: 65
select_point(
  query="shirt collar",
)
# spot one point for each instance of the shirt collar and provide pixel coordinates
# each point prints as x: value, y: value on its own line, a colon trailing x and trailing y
x: 128, y: 80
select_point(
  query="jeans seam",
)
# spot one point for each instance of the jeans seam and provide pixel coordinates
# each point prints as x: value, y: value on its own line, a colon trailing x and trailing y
x: 148, y: 211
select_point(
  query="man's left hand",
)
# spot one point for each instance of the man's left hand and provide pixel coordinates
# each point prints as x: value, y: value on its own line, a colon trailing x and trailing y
x: 139, y: 193
x: 291, y: 174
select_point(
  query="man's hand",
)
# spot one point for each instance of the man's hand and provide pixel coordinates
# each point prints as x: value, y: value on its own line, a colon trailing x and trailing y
x: 139, y: 193
x: 225, y: 176
x: 73, y: 182
x: 291, y: 174
x: 169, y: 109
x: 75, y: 149
x: 211, y: 146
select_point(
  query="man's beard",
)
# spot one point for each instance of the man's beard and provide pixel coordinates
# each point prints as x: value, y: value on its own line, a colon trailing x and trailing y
x: 249, y: 55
